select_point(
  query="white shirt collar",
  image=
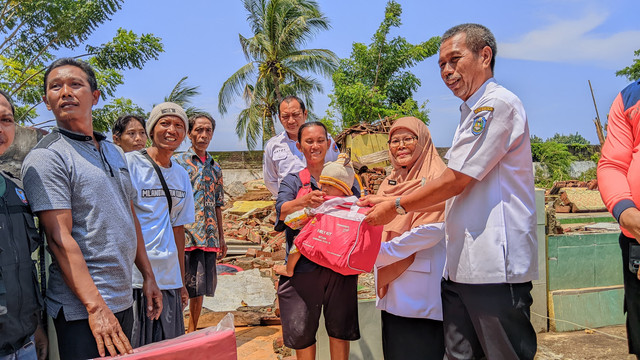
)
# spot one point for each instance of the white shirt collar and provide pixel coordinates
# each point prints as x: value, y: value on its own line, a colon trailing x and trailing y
x: 473, y: 99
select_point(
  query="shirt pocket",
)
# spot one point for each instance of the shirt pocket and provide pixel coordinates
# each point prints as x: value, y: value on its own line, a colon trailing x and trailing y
x: 279, y: 154
x: 32, y: 232
x: 483, y: 255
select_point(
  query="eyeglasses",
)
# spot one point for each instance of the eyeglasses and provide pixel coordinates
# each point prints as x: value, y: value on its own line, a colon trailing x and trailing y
x: 408, y: 141
x: 295, y: 116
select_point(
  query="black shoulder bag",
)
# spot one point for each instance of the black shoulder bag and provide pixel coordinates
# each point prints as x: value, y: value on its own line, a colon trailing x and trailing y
x: 162, y: 181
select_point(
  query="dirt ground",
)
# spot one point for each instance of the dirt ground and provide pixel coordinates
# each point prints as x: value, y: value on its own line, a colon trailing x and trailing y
x: 605, y: 343
x: 257, y: 342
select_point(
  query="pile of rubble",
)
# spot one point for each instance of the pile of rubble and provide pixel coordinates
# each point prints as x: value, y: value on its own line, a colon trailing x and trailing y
x: 571, y: 197
x: 372, y: 178
x: 575, y: 196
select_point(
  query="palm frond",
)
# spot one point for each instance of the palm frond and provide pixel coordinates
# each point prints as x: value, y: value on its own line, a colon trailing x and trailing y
x: 182, y: 93
x: 277, y: 63
x: 234, y: 86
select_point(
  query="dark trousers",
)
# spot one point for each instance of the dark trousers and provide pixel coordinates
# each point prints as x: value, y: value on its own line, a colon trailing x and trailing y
x: 489, y: 321
x: 75, y: 339
x: 406, y: 338
x: 631, y: 296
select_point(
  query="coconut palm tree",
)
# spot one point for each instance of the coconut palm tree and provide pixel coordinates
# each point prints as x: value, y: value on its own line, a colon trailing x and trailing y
x: 277, y: 65
x: 182, y: 94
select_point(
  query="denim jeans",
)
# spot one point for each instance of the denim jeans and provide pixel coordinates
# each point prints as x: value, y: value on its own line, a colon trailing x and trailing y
x: 27, y: 352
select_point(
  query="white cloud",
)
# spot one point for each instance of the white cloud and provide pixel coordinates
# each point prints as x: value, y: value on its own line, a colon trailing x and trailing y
x: 575, y: 41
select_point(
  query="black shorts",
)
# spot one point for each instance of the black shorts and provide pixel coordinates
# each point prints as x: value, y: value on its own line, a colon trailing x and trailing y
x: 200, y: 273
x: 303, y: 296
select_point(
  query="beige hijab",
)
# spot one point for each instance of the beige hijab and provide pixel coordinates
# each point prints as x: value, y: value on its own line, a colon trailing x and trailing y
x: 425, y: 166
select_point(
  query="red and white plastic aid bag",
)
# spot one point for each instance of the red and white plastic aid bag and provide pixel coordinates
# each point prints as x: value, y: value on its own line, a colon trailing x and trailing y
x: 215, y: 342
x: 338, y: 237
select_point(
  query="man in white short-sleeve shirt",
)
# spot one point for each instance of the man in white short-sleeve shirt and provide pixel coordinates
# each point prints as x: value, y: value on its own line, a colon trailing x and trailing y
x: 162, y: 209
x: 281, y: 156
x: 490, y: 211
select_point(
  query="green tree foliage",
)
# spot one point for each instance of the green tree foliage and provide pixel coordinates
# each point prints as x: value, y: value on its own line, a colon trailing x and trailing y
x: 571, y: 139
x: 632, y: 72
x: 106, y: 116
x: 373, y: 82
x: 555, y: 158
x: 277, y: 64
x: 535, y: 139
x: 32, y: 31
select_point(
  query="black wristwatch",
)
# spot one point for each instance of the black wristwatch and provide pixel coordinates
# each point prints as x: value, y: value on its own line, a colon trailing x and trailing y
x: 399, y: 209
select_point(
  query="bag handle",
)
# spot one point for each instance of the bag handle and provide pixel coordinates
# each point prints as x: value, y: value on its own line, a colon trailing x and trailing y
x: 162, y: 181
x: 346, y: 202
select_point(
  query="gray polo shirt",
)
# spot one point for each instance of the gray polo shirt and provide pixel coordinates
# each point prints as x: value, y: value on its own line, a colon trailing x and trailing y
x: 66, y: 171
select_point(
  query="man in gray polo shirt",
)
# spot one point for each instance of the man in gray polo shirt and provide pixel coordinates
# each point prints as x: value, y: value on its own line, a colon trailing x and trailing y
x: 79, y: 186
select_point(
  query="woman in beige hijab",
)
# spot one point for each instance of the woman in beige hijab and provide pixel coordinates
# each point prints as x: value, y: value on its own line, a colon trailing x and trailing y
x: 411, y: 259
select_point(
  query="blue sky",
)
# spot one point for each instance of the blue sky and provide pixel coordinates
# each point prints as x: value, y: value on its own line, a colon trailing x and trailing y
x: 547, y: 50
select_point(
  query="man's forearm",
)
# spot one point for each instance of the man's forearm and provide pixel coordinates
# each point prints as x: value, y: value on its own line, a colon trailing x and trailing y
x: 219, y: 220
x: 447, y: 185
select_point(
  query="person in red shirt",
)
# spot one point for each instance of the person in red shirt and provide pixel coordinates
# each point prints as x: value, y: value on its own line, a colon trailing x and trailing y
x: 619, y: 183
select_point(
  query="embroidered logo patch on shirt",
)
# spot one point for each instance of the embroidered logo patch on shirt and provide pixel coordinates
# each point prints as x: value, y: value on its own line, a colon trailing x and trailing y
x: 478, y: 125
x: 22, y: 196
x: 483, y: 108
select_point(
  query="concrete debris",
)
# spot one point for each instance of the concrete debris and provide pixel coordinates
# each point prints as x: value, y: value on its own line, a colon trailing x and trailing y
x: 235, y: 189
x: 243, y: 207
x: 559, y: 185
x: 255, y: 185
x: 603, y: 226
x: 242, y: 289
x: 579, y: 200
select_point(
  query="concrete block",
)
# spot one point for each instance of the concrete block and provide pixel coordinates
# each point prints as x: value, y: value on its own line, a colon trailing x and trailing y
x: 583, y: 260
x: 240, y: 175
x: 245, y: 287
x: 608, y: 265
x: 586, y: 308
x: 575, y: 268
x: 369, y: 347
